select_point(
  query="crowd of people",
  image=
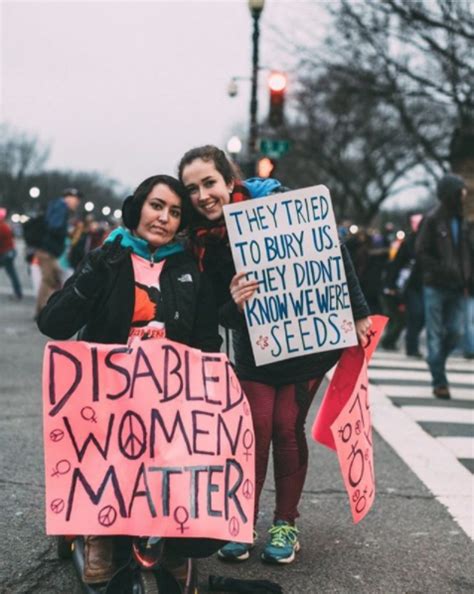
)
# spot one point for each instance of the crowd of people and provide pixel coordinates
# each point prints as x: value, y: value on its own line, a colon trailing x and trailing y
x: 174, y: 227
x: 425, y: 280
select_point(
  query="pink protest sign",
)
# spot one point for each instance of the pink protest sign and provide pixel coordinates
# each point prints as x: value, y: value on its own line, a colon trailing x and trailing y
x: 338, y: 408
x: 352, y: 432
x: 156, y: 439
x: 343, y: 383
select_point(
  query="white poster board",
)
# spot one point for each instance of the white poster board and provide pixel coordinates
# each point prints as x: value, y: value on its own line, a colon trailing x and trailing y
x: 289, y: 243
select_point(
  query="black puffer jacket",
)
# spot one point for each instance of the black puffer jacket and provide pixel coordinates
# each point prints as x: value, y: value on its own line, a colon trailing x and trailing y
x: 188, y: 306
x: 445, y: 263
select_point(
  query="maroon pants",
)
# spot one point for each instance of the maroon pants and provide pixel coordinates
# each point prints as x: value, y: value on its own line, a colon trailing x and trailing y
x: 279, y: 419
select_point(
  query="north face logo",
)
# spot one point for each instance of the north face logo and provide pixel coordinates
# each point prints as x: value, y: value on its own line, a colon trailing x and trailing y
x: 185, y: 278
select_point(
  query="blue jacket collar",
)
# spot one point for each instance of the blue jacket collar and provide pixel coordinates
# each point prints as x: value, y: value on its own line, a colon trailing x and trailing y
x: 141, y: 248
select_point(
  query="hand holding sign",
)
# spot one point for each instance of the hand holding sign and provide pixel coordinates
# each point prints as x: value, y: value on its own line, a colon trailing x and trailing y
x: 242, y: 289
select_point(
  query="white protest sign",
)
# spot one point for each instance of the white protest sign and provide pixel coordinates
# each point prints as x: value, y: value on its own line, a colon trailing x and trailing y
x: 289, y: 243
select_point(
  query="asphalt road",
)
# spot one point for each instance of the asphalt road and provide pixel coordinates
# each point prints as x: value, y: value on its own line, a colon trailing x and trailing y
x: 408, y: 543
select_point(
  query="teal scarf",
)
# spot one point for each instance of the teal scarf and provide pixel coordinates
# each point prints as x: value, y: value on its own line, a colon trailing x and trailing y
x: 141, y: 248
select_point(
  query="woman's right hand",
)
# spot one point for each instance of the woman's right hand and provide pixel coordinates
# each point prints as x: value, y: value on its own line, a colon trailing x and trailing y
x: 242, y: 290
x: 94, y: 271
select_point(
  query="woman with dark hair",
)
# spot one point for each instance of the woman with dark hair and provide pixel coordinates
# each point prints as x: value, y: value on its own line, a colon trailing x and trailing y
x: 141, y: 284
x: 281, y: 393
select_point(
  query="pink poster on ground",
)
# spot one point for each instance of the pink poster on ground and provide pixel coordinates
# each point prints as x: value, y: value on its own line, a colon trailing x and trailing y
x: 154, y: 439
x: 341, y: 408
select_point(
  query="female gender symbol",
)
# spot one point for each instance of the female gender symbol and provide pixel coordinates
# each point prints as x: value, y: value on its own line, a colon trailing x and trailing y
x: 62, y: 467
x: 184, y: 516
x: 88, y: 414
x: 247, y: 440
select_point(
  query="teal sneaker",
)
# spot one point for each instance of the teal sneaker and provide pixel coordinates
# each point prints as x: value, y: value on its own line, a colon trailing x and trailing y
x: 236, y: 551
x: 283, y: 543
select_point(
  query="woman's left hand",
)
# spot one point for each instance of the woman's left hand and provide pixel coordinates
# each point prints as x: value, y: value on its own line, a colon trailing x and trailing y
x: 242, y: 290
x: 362, y: 327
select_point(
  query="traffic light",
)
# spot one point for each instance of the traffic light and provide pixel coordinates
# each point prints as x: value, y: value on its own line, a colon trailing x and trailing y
x: 277, y: 86
x: 265, y: 167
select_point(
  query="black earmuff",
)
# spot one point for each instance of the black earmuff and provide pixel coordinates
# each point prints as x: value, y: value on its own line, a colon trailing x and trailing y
x: 131, y: 213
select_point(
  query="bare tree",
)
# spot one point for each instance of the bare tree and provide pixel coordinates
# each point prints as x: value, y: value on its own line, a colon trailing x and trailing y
x: 21, y: 155
x: 382, y: 96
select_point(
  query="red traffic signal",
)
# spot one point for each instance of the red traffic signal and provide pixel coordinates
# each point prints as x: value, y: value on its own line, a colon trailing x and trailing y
x: 277, y: 86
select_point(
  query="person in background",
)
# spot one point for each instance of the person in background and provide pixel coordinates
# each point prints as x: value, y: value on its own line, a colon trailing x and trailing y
x: 53, y: 243
x: 404, y: 284
x: 131, y: 289
x: 443, y: 250
x: 8, y: 254
x: 281, y: 393
x: 86, y: 236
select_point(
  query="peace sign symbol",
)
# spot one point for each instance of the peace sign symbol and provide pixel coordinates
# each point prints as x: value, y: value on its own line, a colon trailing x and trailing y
x: 135, y: 442
x: 107, y: 515
x: 57, y: 506
x: 184, y: 518
x: 56, y: 435
x: 62, y: 467
x: 247, y: 440
x: 247, y: 489
x: 234, y: 526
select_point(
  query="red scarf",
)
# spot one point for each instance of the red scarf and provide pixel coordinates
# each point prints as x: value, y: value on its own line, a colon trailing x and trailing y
x: 205, y: 232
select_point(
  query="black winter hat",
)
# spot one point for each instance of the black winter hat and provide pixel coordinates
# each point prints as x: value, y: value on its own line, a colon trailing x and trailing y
x: 449, y: 187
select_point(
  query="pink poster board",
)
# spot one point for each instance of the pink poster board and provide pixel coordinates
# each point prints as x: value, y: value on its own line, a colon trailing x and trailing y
x: 344, y: 424
x: 156, y: 439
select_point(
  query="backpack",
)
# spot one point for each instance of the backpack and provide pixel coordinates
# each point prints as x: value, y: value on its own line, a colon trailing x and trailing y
x: 34, y: 230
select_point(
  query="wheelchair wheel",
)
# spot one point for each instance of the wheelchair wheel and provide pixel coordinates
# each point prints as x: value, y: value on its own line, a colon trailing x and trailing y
x: 64, y: 547
x: 148, y: 583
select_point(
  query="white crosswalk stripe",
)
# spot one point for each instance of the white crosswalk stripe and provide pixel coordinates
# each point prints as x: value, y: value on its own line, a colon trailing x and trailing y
x: 434, y: 437
x: 462, y: 447
x: 412, y: 391
x: 416, y: 375
x: 434, y: 414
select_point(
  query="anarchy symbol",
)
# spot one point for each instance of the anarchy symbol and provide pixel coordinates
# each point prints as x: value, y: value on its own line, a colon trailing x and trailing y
x: 57, y: 506
x: 247, y: 489
x: 247, y: 440
x: 234, y: 526
x: 56, y: 435
x: 107, y: 515
x: 184, y: 518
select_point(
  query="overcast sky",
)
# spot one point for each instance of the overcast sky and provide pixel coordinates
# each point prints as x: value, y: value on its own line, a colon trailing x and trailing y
x: 126, y: 87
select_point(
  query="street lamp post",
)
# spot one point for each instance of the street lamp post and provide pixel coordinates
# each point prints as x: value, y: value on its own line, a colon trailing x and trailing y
x: 256, y: 7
